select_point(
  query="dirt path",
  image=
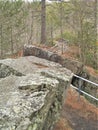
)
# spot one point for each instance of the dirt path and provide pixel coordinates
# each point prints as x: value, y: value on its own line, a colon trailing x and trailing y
x: 77, y: 114
x: 79, y: 122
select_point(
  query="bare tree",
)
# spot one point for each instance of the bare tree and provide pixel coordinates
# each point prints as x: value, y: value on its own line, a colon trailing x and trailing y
x: 12, y: 44
x: 31, y: 28
x: 43, y: 22
x: 95, y: 47
x: 1, y: 42
x: 61, y: 18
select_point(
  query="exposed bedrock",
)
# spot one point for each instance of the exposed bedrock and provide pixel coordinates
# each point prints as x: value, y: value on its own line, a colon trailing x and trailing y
x: 34, y: 99
x: 6, y: 70
x: 30, y: 50
x: 73, y: 65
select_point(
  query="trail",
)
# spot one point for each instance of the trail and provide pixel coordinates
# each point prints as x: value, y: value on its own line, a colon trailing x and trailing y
x: 78, y: 114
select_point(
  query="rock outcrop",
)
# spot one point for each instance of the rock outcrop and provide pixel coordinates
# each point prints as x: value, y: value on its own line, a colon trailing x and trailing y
x: 30, y: 50
x: 6, y: 70
x: 75, y: 66
x: 33, y: 98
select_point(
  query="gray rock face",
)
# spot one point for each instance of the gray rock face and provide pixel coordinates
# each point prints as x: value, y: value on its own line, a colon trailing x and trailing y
x: 75, y: 66
x: 30, y: 50
x: 6, y: 71
x: 32, y: 100
x: 72, y: 65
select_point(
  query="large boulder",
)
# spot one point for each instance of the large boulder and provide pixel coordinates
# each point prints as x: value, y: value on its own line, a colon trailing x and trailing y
x: 76, y: 67
x: 73, y: 65
x: 33, y: 100
x: 30, y: 50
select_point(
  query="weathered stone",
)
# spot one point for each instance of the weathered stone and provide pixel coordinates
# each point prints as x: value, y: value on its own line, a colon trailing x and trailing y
x: 6, y: 71
x: 30, y: 50
x: 32, y: 101
x: 29, y: 64
x: 72, y: 65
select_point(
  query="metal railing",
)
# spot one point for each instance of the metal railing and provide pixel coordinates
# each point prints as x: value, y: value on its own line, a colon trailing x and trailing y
x: 86, y: 80
x: 79, y: 89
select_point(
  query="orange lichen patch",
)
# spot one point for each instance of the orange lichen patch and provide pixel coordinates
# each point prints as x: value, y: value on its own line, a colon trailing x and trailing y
x: 62, y: 124
x: 91, y: 71
x: 81, y: 105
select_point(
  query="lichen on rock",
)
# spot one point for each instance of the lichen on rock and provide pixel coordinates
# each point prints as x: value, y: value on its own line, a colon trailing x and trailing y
x: 32, y: 101
x: 6, y: 71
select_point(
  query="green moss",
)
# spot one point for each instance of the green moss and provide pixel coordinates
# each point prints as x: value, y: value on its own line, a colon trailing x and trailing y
x: 34, y: 127
x: 30, y: 127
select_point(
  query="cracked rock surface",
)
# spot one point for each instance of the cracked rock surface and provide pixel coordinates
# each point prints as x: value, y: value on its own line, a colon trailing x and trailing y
x: 33, y: 98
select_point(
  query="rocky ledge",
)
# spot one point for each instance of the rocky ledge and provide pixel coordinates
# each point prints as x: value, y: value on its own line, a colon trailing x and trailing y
x: 31, y: 93
x: 73, y: 65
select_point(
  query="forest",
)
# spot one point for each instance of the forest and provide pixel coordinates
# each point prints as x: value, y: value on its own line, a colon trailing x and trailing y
x: 48, y: 64
x: 42, y: 22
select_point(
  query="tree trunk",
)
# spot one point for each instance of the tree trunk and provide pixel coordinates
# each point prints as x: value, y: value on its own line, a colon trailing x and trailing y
x: 61, y: 26
x: 95, y: 26
x: 61, y: 19
x: 31, y: 29
x: 51, y: 28
x: 12, y: 48
x: 43, y: 22
x: 1, y: 44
